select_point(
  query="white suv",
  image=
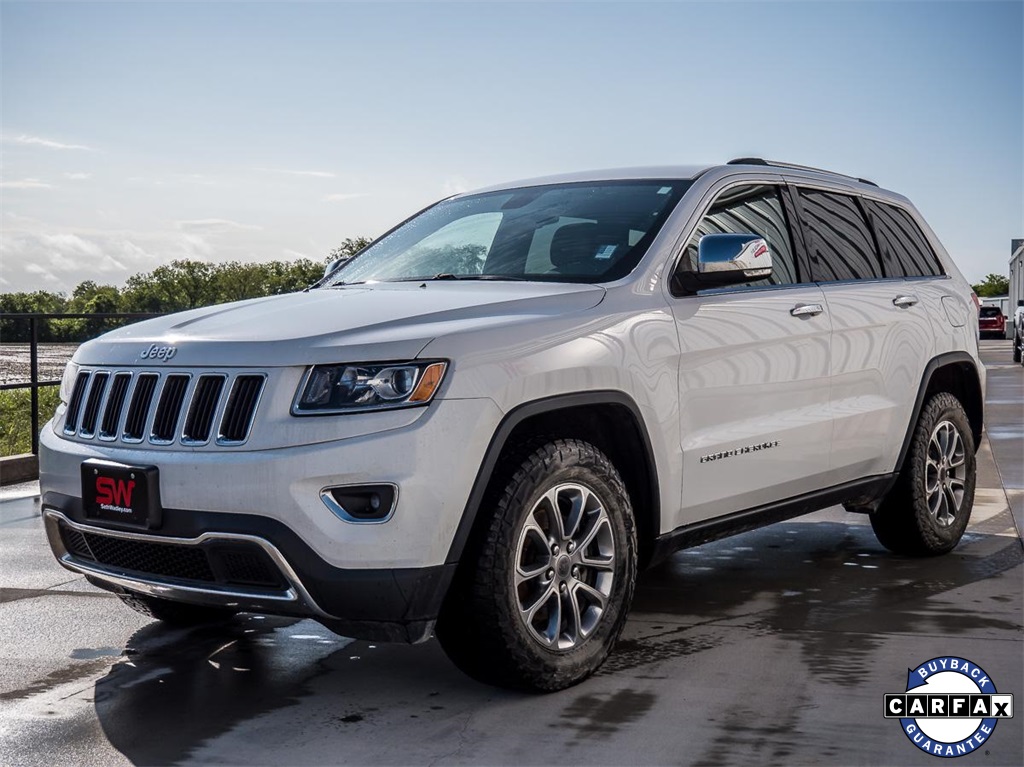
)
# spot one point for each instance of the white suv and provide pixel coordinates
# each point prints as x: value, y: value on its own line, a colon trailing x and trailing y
x: 491, y: 417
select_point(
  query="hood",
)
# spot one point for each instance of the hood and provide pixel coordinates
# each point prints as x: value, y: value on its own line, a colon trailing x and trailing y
x: 382, y: 321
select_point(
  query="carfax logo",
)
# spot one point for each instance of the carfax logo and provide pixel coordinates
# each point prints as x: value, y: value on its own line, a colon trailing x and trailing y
x: 950, y: 706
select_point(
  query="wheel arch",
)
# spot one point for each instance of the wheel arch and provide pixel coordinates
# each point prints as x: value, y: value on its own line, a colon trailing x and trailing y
x: 957, y: 374
x: 610, y: 420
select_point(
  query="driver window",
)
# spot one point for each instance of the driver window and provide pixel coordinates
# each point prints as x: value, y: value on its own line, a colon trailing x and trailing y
x: 749, y: 210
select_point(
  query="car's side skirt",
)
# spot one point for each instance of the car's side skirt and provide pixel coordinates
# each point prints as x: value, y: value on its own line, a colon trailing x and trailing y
x: 760, y: 516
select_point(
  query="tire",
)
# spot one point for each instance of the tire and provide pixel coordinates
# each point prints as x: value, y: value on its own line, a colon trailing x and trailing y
x: 175, y: 613
x: 927, y: 511
x: 556, y: 625
x: 1017, y: 341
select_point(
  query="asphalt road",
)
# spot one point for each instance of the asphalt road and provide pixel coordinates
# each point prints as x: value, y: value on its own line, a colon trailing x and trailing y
x: 771, y: 648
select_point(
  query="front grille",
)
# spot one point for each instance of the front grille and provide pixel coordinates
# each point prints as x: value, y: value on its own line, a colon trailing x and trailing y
x: 92, y: 405
x: 201, y: 412
x: 74, y: 542
x: 112, y: 413
x: 75, y: 405
x: 170, y: 560
x: 164, y: 408
x: 246, y: 565
x: 240, y: 563
x: 169, y: 408
x: 241, y: 407
x: 138, y: 410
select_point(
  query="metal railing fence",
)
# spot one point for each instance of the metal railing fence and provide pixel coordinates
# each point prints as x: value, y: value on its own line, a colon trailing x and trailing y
x: 33, y: 383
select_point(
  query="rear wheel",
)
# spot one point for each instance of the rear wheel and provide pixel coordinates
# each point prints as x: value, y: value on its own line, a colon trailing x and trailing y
x: 175, y: 613
x: 544, y: 596
x: 927, y: 511
x: 1017, y: 341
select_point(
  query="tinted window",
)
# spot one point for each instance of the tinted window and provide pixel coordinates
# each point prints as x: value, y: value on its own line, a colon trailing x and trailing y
x: 990, y: 311
x: 905, y: 251
x: 839, y: 242
x: 749, y: 210
x: 587, y: 232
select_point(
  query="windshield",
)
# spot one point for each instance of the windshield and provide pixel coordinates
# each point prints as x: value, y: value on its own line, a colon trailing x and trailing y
x: 990, y: 311
x: 588, y: 232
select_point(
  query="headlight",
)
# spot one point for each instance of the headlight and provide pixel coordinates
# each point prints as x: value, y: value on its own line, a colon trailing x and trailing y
x: 358, y: 387
x: 67, y: 381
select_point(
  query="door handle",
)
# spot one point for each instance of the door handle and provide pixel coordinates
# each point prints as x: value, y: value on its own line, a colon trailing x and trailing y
x: 904, y: 301
x: 806, y: 310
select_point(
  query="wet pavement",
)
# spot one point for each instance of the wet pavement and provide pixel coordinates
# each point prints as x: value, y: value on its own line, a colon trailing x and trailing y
x: 770, y: 648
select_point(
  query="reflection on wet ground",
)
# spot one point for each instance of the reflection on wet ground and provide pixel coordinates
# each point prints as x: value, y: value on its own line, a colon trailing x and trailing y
x: 826, y: 587
x: 166, y: 696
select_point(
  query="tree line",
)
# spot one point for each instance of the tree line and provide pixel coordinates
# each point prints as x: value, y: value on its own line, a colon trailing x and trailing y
x: 176, y: 286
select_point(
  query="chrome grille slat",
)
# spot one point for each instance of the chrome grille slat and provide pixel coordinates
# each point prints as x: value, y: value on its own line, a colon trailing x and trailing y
x: 168, y: 409
x: 138, y: 409
x: 240, y: 409
x: 75, y: 403
x: 115, y: 404
x: 92, y: 404
x: 202, y: 408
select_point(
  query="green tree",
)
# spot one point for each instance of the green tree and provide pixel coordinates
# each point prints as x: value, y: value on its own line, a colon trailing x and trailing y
x: 37, y: 302
x: 992, y: 285
x: 90, y: 298
x: 348, y: 248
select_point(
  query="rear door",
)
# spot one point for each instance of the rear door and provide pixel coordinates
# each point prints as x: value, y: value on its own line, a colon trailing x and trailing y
x: 753, y: 377
x: 882, y: 331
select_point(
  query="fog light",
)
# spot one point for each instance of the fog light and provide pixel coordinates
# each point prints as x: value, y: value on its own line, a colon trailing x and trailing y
x: 363, y: 503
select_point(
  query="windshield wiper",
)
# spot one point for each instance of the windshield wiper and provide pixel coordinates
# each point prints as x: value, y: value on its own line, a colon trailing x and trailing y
x: 494, y: 277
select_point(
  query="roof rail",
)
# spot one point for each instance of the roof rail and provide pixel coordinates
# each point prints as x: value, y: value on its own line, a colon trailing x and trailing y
x: 793, y: 166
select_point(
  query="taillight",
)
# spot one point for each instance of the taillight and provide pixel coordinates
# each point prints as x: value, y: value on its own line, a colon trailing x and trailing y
x: 976, y: 300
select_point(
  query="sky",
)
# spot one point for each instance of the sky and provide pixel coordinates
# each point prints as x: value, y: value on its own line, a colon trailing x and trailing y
x: 132, y: 134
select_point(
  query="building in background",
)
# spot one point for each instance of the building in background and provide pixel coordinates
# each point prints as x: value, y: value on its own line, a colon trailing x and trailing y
x: 1016, y: 293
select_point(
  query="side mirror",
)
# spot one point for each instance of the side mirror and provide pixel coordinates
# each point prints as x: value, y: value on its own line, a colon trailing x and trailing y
x: 331, y: 267
x: 729, y: 259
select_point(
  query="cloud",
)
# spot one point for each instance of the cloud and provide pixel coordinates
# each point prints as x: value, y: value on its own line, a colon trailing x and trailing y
x: 78, y: 176
x: 343, y: 197
x: 213, y: 226
x: 25, y: 183
x: 62, y: 259
x: 313, y: 173
x: 26, y: 140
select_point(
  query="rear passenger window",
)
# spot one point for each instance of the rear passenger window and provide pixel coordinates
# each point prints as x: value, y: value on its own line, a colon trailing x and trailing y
x: 905, y: 251
x: 749, y: 210
x: 839, y: 241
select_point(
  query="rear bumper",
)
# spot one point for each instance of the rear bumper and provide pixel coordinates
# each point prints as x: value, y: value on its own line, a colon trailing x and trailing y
x: 184, y: 562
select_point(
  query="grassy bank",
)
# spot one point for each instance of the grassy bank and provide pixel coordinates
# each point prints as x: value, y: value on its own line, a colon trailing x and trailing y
x: 16, y: 417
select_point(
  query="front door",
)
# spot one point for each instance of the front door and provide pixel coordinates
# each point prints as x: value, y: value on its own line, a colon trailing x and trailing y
x: 753, y: 371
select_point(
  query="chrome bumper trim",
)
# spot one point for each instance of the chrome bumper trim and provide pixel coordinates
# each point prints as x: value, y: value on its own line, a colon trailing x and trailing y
x: 295, y: 599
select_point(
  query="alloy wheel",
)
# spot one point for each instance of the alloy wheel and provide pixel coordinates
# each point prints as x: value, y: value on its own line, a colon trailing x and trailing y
x: 565, y: 566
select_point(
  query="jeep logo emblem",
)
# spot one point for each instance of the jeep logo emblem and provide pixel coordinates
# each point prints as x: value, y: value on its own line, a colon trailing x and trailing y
x: 162, y: 353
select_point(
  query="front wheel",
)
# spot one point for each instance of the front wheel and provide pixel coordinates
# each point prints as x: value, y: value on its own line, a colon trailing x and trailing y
x: 542, y: 599
x: 1017, y: 341
x: 927, y: 510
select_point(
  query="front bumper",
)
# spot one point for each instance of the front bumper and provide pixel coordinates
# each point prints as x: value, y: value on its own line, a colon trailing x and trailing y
x: 433, y: 462
x: 185, y: 563
x: 382, y: 581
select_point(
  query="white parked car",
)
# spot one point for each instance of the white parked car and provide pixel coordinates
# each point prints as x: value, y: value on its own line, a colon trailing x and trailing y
x: 491, y: 418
